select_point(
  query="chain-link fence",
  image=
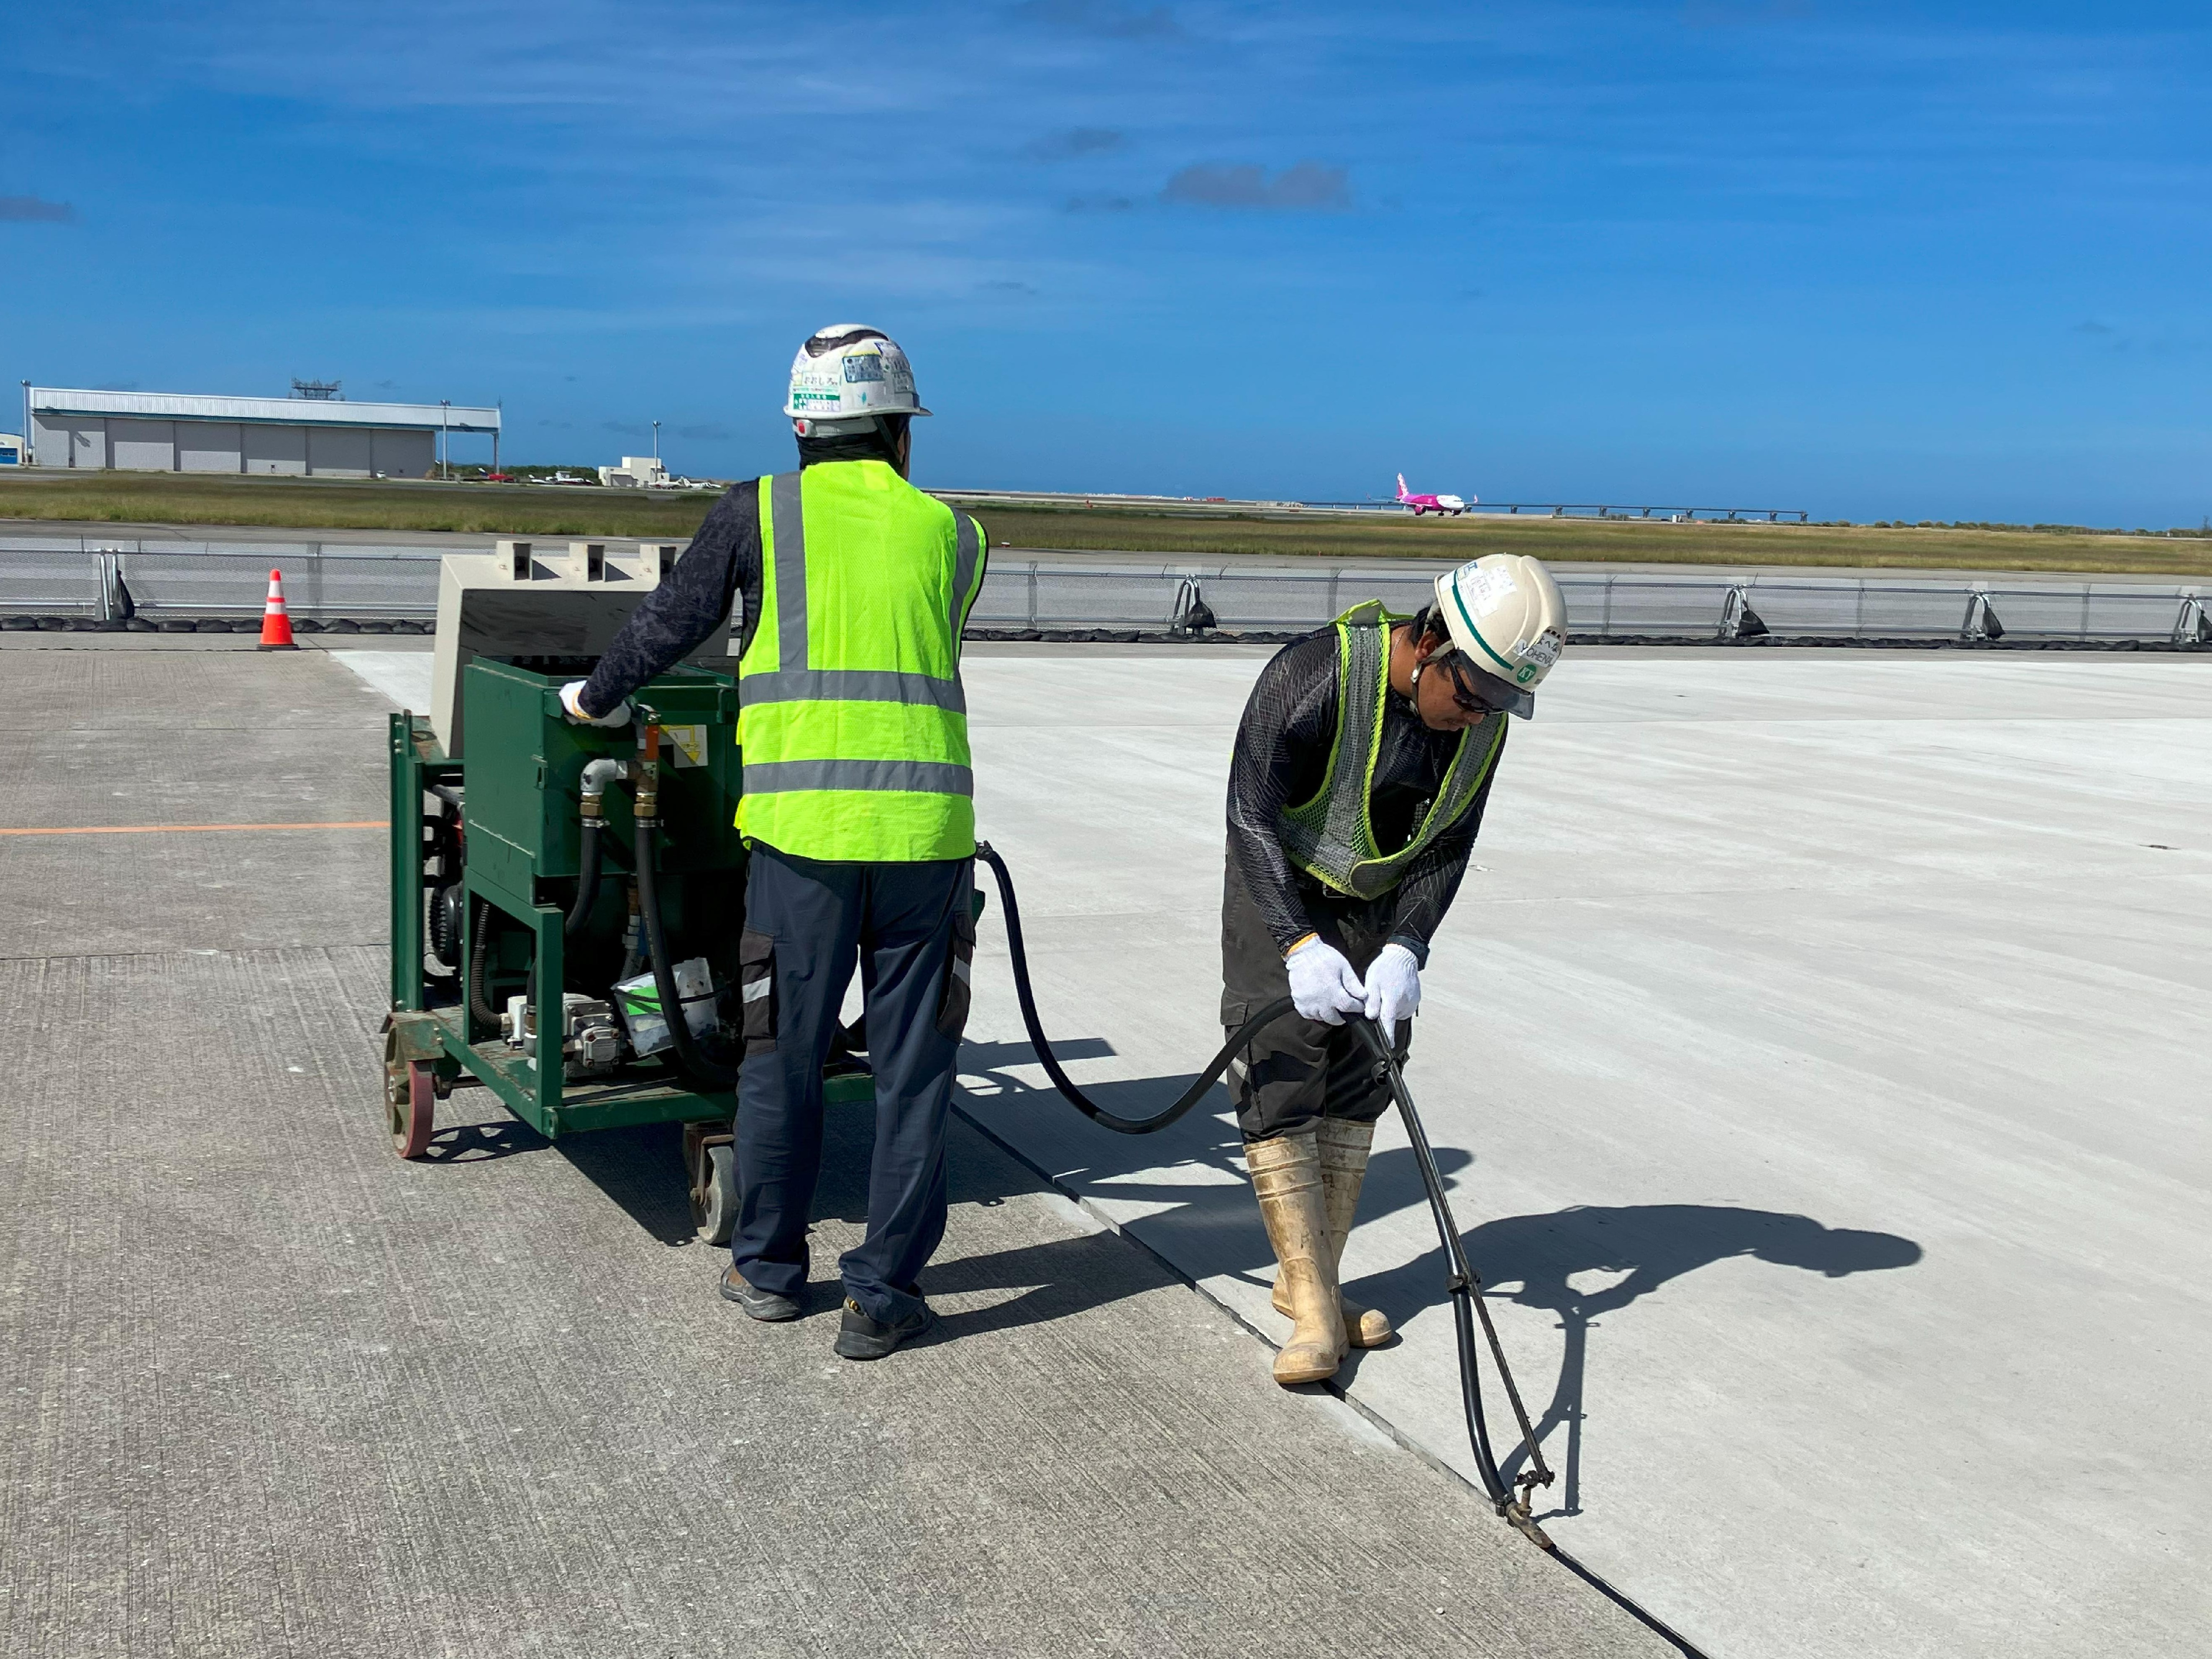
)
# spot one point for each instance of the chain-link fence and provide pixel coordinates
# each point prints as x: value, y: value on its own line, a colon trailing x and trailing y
x: 92, y: 577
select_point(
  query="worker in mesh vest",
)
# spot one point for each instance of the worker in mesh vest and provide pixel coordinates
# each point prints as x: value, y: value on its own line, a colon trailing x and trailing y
x: 1363, y: 764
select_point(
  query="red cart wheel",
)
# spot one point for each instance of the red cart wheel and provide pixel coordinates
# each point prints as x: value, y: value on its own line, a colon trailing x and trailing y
x: 414, y: 1116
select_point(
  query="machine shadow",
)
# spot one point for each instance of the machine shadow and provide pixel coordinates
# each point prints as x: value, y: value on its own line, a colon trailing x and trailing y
x: 478, y: 1143
x: 641, y: 1169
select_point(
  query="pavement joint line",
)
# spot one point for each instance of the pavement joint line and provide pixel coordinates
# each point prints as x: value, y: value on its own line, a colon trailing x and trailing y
x: 191, y: 829
x: 1397, y: 1435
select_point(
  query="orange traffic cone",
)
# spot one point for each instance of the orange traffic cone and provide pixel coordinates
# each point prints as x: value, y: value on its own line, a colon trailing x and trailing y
x: 276, y: 625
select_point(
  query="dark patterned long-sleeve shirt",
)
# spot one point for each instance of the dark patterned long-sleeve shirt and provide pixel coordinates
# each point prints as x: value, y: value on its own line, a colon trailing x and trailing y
x: 1281, y: 760
x: 721, y: 567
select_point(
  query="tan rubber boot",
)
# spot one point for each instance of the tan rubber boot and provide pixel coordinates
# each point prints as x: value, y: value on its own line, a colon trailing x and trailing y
x: 1343, y: 1149
x: 1286, y: 1177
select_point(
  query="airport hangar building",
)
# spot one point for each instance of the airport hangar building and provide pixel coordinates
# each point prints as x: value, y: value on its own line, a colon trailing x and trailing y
x: 303, y: 437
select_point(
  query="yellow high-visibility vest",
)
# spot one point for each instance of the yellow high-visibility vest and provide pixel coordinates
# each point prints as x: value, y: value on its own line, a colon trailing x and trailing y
x: 851, y: 715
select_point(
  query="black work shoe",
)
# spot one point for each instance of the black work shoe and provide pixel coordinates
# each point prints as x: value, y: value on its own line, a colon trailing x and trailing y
x: 862, y: 1338
x: 761, y: 1304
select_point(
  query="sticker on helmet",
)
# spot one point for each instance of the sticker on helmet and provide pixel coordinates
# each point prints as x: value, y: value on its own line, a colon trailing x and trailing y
x: 1482, y: 591
x: 1525, y: 674
x: 864, y: 366
x: 1544, y: 649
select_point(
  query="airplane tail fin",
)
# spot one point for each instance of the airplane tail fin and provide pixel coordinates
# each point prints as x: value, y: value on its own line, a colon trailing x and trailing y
x: 1402, y: 486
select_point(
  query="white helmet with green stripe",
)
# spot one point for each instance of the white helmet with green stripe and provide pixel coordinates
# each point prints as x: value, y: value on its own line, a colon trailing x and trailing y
x: 1505, y: 613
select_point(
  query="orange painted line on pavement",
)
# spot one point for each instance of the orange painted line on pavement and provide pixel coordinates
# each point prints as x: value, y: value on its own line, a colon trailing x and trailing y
x: 193, y: 828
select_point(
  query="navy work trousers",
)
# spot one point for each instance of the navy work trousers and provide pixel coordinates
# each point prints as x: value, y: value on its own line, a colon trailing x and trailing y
x: 897, y: 920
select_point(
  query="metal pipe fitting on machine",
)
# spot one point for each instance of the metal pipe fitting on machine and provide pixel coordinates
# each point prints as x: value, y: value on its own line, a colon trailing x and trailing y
x: 647, y: 772
x: 598, y: 774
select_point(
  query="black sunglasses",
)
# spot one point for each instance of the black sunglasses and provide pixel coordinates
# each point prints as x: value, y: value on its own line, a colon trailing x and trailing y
x: 1476, y: 699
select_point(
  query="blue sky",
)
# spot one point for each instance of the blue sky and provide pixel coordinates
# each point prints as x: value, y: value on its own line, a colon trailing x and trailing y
x: 1935, y: 261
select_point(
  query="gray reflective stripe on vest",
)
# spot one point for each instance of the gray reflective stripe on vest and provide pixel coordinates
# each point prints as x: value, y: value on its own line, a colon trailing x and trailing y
x: 968, y: 551
x: 1334, y: 845
x: 851, y: 685
x: 756, y: 990
x: 925, y: 777
x: 788, y: 522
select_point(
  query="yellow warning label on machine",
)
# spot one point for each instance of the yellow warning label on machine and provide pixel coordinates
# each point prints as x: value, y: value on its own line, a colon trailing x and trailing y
x: 687, y: 744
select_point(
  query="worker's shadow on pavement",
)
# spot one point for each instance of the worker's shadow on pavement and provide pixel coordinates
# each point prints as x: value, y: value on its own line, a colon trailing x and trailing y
x: 1534, y: 1260
x: 1618, y: 1253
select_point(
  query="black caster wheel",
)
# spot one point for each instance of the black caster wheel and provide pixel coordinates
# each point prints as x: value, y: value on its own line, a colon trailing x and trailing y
x: 714, y: 1191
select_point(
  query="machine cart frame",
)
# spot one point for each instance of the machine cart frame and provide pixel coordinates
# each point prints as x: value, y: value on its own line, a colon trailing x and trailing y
x: 516, y: 835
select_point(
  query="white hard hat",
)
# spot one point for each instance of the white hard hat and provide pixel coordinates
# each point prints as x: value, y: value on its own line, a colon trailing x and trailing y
x: 850, y: 372
x: 1504, y: 610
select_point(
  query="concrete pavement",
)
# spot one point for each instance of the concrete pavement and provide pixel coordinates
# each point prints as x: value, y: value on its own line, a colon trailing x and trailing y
x: 1828, y: 1119
x: 265, y: 1389
x: 1825, y: 1103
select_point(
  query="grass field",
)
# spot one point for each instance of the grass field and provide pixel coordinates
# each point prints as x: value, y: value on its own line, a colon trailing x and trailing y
x: 502, y: 509
x: 1597, y: 541
x: 345, y: 504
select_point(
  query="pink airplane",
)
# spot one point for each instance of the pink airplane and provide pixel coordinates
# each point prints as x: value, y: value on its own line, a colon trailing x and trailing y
x: 1421, y: 504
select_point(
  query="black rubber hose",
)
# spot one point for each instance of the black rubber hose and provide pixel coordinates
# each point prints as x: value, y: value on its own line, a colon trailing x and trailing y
x: 482, y: 941
x: 701, y: 1069
x: 1061, y: 1080
x: 587, y: 877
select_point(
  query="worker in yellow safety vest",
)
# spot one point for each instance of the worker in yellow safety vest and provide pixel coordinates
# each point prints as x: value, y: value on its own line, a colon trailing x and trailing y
x: 858, y: 810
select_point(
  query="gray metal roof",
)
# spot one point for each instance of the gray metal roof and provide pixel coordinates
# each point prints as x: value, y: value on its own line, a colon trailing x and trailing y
x: 277, y: 411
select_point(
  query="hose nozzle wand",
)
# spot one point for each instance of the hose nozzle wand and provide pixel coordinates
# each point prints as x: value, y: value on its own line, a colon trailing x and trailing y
x: 1468, y: 1306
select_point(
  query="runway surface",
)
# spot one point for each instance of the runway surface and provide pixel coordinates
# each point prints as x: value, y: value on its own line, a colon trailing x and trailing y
x: 267, y: 1390
x: 1820, y: 1052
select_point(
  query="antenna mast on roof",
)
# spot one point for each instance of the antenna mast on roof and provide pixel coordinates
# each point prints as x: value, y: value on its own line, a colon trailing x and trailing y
x: 325, y: 391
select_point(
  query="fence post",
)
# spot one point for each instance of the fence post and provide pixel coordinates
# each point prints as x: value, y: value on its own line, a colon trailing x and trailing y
x: 1738, y: 620
x: 1981, y: 619
x: 2192, y: 626
x: 1032, y: 593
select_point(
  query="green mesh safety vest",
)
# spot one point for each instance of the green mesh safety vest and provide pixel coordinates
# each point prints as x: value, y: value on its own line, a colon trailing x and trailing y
x: 1331, y: 836
x: 850, y: 712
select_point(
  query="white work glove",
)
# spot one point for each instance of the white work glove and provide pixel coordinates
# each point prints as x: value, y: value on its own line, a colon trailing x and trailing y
x: 1394, y: 987
x: 617, y: 715
x: 1323, y: 983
